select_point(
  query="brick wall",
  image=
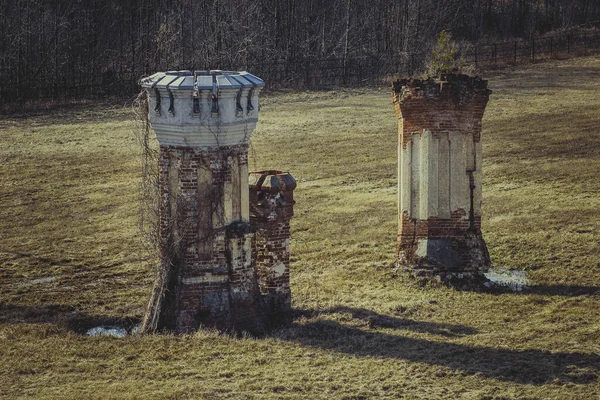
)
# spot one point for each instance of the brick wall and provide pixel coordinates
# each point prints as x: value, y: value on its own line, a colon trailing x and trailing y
x: 271, y: 209
x: 457, y: 104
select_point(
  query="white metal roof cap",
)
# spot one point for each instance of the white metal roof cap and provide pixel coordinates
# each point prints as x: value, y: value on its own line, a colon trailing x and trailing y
x: 201, y: 80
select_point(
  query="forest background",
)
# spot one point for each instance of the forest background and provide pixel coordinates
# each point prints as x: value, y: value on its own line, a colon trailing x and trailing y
x: 53, y: 49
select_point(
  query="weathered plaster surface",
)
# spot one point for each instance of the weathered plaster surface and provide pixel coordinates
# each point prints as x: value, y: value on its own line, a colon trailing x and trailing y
x: 439, y: 176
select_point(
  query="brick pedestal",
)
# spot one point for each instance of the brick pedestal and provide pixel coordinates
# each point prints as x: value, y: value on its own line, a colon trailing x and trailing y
x: 271, y: 208
x: 439, y: 175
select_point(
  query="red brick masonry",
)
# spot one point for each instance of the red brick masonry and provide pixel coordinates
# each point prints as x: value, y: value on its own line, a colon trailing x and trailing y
x: 271, y: 209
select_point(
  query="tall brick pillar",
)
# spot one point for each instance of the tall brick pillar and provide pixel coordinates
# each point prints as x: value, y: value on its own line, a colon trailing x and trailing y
x: 203, y: 121
x: 271, y: 209
x: 439, y: 176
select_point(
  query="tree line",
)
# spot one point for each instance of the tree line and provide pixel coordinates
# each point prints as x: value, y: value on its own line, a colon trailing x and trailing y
x: 58, y: 48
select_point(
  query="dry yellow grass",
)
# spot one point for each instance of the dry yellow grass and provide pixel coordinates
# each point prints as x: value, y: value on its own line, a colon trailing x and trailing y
x: 70, y: 257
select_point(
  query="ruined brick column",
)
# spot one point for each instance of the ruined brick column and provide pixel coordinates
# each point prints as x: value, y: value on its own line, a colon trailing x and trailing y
x: 271, y: 209
x: 203, y: 121
x: 439, y: 177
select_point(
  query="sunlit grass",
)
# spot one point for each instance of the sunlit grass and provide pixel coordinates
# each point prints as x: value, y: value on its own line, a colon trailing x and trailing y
x: 70, y: 255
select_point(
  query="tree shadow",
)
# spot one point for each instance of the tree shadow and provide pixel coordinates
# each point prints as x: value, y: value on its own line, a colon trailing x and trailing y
x: 62, y: 316
x: 564, y: 290
x: 544, y: 139
x: 548, y: 290
x: 371, y: 319
x: 368, y: 339
x: 535, y: 367
x: 567, y: 78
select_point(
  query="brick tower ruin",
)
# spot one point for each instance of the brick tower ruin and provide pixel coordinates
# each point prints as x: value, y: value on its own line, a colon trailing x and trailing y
x: 203, y: 121
x: 271, y: 209
x: 439, y: 177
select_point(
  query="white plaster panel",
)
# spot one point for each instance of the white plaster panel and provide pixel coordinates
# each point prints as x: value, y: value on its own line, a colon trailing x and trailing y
x: 465, y: 189
x: 405, y: 173
x: 414, y: 176
x: 424, y: 175
x: 478, y: 176
x: 248, y: 243
x: 279, y: 269
x: 444, y: 176
x: 433, y: 167
x: 235, y: 252
x: 422, y: 248
x: 470, y: 148
x: 458, y: 175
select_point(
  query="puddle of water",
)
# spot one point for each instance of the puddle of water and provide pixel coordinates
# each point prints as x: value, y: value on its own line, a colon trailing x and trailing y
x: 42, y: 280
x: 46, y: 279
x: 112, y: 331
x: 31, y: 282
x: 514, y: 279
x: 137, y: 329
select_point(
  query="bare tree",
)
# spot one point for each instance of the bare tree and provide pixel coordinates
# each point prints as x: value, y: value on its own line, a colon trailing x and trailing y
x: 56, y: 48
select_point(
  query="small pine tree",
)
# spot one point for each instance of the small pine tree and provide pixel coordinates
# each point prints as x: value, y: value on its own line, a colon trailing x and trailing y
x: 444, y: 56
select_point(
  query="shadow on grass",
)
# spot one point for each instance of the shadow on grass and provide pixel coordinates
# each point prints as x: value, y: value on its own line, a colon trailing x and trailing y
x: 566, y: 290
x: 572, y: 77
x: 549, y: 290
x: 62, y: 316
x: 535, y: 367
x: 372, y: 319
x: 71, y: 111
x: 522, y: 366
x: 550, y: 135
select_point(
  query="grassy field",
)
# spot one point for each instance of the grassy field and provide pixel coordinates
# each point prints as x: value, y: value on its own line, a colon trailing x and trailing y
x: 71, y: 257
